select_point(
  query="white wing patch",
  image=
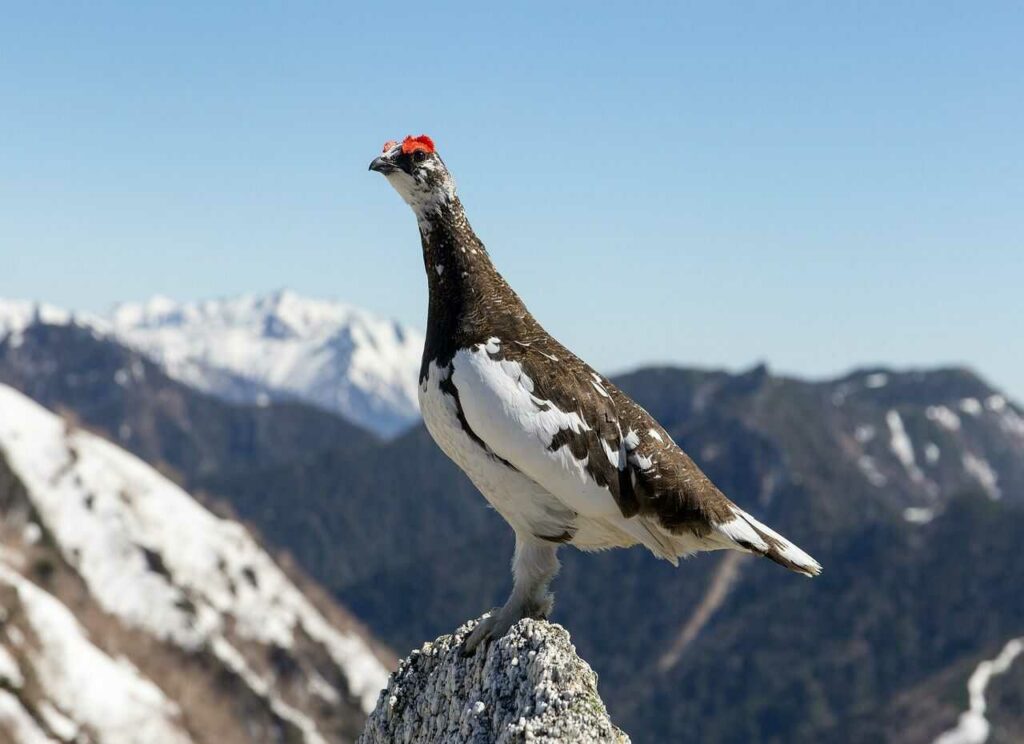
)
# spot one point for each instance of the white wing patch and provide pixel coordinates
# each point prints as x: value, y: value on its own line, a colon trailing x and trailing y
x: 523, y: 503
x: 499, y: 405
x: 614, y: 456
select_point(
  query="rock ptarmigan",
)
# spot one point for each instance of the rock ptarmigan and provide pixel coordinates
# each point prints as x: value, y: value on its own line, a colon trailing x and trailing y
x: 559, y: 451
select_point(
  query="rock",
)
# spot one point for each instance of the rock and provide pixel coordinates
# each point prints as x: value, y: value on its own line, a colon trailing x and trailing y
x: 529, y: 686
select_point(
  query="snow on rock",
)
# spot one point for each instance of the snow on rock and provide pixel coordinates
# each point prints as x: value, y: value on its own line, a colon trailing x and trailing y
x: 995, y: 403
x: 973, y: 727
x: 254, y: 349
x: 982, y: 472
x: 1011, y: 422
x: 156, y: 559
x: 89, y: 689
x: 17, y: 315
x: 528, y: 686
x: 901, y: 445
x: 18, y: 723
x: 971, y: 406
x: 264, y: 689
x: 876, y: 380
x: 944, y: 417
x: 864, y: 433
x: 919, y: 514
x: 871, y: 472
x: 10, y: 672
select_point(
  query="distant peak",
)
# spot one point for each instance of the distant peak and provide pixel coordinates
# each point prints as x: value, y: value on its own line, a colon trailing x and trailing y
x: 17, y: 315
x: 285, y: 295
x: 281, y: 343
x: 159, y: 303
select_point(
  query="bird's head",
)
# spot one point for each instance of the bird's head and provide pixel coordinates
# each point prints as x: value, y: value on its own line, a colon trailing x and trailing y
x: 417, y: 173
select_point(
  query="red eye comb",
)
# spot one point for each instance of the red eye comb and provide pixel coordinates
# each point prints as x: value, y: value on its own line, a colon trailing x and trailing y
x: 412, y: 144
x: 388, y: 145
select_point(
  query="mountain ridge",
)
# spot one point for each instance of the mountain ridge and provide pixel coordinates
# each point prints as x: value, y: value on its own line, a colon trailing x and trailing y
x: 263, y: 348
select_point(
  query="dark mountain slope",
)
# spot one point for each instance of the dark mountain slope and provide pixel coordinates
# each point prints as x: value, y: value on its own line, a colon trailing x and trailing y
x: 804, y: 662
x: 358, y: 515
x: 868, y: 473
x: 123, y: 395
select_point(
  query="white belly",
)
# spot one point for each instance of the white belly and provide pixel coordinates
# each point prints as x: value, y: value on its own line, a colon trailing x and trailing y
x: 524, y: 504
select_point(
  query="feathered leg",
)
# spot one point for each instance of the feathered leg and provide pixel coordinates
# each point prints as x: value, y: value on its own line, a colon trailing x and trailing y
x: 534, y: 565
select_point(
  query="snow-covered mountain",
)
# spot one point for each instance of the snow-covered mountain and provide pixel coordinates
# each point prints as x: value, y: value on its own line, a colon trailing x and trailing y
x: 17, y: 315
x: 259, y: 348
x: 132, y: 614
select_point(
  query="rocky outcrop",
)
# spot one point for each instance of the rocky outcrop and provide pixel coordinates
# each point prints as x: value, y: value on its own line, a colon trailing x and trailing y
x: 529, y: 686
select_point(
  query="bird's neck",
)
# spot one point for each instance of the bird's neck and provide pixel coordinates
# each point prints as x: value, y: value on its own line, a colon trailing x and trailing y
x: 452, y: 253
x: 466, y: 291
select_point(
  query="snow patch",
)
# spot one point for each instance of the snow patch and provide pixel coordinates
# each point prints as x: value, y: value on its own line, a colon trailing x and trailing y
x: 919, y: 514
x: 864, y: 433
x: 871, y: 472
x: 1011, y: 422
x: 973, y: 727
x: 876, y: 380
x: 995, y: 403
x: 982, y: 471
x: 944, y: 417
x: 901, y: 445
x: 971, y: 406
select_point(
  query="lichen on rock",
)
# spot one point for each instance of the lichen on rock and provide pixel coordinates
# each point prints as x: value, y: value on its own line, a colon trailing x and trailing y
x: 528, y: 686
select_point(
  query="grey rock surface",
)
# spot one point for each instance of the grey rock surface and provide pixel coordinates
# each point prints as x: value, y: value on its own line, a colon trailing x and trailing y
x: 529, y: 686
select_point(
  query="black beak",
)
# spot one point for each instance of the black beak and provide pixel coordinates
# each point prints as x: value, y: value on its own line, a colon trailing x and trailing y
x: 383, y: 165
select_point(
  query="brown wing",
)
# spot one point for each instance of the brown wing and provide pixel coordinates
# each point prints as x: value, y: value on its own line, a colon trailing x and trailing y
x: 653, y: 476
x: 565, y: 381
x: 667, y: 484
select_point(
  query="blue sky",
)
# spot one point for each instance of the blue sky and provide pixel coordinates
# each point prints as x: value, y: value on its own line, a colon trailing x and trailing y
x: 815, y: 185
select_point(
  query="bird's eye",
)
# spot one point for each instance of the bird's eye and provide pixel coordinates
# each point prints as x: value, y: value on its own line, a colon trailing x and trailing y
x: 419, y: 156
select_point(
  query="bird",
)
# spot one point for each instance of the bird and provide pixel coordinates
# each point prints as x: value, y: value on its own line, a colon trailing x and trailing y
x: 560, y: 452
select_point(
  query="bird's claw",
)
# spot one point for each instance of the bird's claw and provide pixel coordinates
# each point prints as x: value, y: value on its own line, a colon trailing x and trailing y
x: 484, y: 631
x: 499, y: 620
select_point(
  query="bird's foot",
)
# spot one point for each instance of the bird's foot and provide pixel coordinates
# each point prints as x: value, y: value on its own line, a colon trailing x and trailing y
x: 496, y: 623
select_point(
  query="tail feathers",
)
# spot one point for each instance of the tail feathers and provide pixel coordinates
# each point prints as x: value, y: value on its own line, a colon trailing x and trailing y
x: 749, y: 534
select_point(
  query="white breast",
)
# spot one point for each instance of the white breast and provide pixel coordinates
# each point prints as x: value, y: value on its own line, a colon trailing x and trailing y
x: 524, y: 504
